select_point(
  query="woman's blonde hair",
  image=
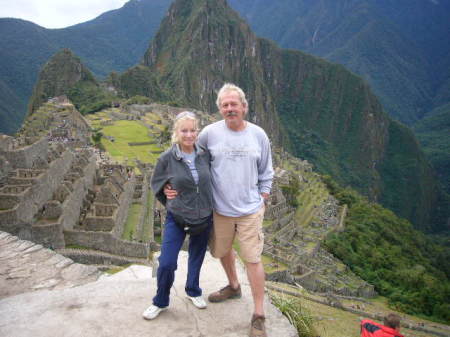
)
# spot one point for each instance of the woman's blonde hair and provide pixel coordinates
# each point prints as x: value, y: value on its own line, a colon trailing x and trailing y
x: 179, y: 119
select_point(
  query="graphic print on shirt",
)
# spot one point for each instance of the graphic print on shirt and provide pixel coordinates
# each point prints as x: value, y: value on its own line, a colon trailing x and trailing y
x: 237, y: 151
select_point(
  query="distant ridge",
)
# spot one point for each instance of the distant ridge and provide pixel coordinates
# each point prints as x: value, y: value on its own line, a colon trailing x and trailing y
x: 113, y: 41
x: 319, y: 110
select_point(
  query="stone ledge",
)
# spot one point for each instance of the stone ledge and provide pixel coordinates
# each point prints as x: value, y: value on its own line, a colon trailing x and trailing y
x: 114, y: 304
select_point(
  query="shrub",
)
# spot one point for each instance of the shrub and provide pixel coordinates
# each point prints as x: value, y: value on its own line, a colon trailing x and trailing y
x: 297, y: 315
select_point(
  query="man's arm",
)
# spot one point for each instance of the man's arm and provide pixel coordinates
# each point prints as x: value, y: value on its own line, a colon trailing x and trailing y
x: 169, y: 192
x: 265, y: 169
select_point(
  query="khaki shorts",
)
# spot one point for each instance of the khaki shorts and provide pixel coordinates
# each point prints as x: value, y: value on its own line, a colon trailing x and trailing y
x: 247, y: 229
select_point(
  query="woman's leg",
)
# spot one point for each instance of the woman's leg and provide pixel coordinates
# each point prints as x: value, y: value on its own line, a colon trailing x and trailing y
x: 173, y: 238
x: 197, y: 250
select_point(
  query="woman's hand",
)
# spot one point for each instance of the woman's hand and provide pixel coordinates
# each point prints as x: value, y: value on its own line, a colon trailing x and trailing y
x: 169, y: 192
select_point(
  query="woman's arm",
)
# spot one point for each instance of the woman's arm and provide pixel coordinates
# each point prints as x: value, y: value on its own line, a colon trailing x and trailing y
x: 159, y: 179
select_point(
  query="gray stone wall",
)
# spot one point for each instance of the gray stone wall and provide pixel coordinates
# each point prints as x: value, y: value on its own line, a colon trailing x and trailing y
x: 143, y: 216
x: 26, y: 156
x: 125, y: 200
x: 103, y: 224
x: 275, y: 211
x: 49, y: 235
x: 142, y: 143
x: 98, y: 258
x: 8, y: 220
x: 107, y: 242
x: 29, y: 202
x: 44, y: 187
x: 73, y: 203
x: 281, y: 276
x: 307, y: 280
x: 9, y: 201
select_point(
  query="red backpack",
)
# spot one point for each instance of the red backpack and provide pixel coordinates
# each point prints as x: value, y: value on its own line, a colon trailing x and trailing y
x: 372, y: 329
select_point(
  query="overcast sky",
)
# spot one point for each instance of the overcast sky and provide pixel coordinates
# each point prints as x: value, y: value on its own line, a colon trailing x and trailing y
x: 57, y: 13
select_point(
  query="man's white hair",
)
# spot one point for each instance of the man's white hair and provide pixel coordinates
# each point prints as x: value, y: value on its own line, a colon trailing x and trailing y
x: 230, y: 87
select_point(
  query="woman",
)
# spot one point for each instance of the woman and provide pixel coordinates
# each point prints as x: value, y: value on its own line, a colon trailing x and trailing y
x: 185, y: 167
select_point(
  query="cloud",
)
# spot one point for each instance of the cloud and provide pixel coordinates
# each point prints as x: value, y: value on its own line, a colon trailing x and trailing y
x: 57, y: 13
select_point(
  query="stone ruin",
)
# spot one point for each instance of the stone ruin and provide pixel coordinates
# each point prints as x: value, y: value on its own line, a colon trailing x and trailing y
x: 58, y: 191
x: 299, y: 248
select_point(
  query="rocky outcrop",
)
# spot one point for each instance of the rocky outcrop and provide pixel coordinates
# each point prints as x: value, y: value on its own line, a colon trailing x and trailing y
x: 115, y: 303
x: 26, y: 266
x: 58, y: 75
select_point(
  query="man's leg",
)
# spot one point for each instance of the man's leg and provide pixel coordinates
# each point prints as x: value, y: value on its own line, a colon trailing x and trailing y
x: 256, y: 277
x: 221, y: 246
x: 229, y: 266
x: 251, y: 241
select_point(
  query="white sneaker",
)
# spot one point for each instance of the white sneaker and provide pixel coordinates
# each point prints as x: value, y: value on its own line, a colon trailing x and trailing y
x: 198, y: 302
x: 152, y: 312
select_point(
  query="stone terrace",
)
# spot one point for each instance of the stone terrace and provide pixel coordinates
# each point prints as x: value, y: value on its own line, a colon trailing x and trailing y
x: 26, y: 266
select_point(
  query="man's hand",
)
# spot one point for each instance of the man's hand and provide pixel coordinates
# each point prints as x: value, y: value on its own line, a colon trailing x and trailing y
x: 265, y: 197
x: 169, y: 192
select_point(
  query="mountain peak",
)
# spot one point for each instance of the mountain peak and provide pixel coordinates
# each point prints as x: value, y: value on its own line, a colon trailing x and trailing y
x: 61, y: 72
x: 201, y: 44
x: 318, y: 110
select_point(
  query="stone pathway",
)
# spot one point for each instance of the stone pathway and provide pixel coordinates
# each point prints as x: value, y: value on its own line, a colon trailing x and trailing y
x: 26, y: 266
x: 113, y: 305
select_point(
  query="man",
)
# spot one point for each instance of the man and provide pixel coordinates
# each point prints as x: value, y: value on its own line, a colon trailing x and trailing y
x: 242, y: 173
x: 391, y: 327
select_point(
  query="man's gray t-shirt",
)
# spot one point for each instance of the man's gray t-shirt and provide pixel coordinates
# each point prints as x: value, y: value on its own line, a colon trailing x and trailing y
x: 241, y: 167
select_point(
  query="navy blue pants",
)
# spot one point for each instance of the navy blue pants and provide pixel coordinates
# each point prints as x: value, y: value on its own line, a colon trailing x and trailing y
x: 173, y: 239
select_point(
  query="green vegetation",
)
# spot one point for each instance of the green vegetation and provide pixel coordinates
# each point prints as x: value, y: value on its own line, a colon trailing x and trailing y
x: 322, y: 111
x: 148, y: 219
x: 114, y: 41
x: 141, y: 81
x: 290, y: 191
x: 138, y: 100
x: 402, y: 263
x: 433, y: 132
x: 118, y: 269
x: 64, y: 74
x: 124, y: 132
x: 97, y: 137
x: 132, y: 219
x: 334, y: 322
x: 63, y: 71
x: 270, y: 265
x: 39, y: 123
x: 409, y: 182
x: 89, y: 97
x: 310, y: 196
x: 371, y: 38
x: 298, y: 316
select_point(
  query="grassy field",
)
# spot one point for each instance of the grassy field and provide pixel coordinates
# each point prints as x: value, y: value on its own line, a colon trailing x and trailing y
x: 125, y: 132
x: 146, y: 230
x: 132, y: 220
x: 311, y: 195
x: 270, y: 265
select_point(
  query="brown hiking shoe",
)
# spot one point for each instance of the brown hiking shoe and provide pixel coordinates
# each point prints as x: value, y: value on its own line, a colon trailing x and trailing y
x: 257, y: 328
x: 225, y: 293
